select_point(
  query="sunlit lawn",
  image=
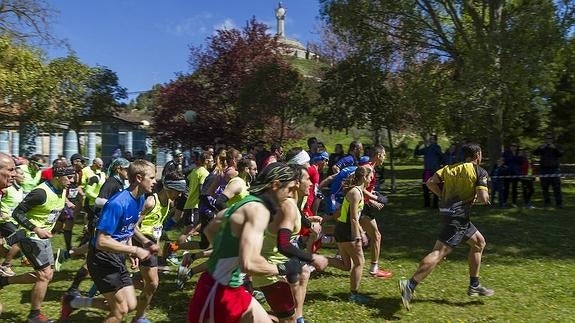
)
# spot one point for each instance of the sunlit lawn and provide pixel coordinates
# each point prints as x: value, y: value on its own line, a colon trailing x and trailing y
x: 529, y: 261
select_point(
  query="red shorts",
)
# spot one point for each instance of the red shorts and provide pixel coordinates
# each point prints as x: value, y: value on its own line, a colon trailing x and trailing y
x: 279, y: 297
x: 229, y: 304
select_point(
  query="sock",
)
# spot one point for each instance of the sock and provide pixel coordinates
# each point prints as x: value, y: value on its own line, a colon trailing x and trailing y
x: 33, y: 313
x: 300, y: 320
x: 68, y: 238
x: 412, y: 284
x: 169, y: 224
x: 374, y: 267
x: 81, y: 301
x: 473, y: 281
x: 80, y: 275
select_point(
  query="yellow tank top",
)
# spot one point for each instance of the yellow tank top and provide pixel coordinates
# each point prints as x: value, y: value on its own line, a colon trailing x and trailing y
x: 271, y: 253
x: 153, y: 222
x: 344, y: 216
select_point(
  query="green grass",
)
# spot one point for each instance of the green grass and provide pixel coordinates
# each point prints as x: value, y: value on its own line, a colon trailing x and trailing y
x: 529, y: 261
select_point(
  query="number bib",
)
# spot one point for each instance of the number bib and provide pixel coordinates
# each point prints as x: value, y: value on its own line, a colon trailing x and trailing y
x: 157, y: 232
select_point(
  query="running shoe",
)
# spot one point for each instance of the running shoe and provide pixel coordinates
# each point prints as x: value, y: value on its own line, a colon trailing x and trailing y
x: 40, y: 318
x: 183, y: 269
x: 406, y: 293
x: 358, y: 298
x: 57, y: 262
x: 183, y: 276
x: 6, y: 271
x: 73, y: 291
x: 480, y: 291
x: 173, y: 259
x: 61, y: 257
x: 66, y: 306
x: 381, y: 274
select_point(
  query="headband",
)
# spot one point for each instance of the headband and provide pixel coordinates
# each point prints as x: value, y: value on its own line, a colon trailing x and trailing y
x: 179, y: 186
x: 64, y: 171
x: 301, y: 158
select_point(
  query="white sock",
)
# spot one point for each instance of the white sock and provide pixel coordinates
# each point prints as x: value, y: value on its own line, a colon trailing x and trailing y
x: 374, y: 267
x: 81, y: 301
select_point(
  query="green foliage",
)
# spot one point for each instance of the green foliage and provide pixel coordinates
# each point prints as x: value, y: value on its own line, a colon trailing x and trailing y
x: 243, y: 91
x: 473, y: 69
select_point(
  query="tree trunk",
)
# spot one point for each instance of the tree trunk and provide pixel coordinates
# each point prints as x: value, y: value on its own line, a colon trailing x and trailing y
x: 391, y: 164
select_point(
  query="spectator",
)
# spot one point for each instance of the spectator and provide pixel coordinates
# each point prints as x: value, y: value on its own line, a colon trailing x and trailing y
x: 549, y: 164
x: 527, y: 179
x: 513, y: 161
x: 497, y: 183
x: 432, y: 161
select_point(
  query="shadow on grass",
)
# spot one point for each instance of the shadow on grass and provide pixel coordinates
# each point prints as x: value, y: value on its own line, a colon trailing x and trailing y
x: 410, y: 231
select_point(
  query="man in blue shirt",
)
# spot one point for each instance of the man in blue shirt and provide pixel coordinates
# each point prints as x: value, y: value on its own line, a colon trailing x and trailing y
x: 112, y: 242
x: 353, y: 154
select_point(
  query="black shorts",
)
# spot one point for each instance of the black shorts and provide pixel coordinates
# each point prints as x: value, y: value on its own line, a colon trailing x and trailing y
x: 205, y: 218
x: 280, y: 299
x: 108, y: 270
x: 342, y: 232
x: 150, y: 262
x: 456, y: 230
x: 369, y: 211
x: 7, y: 229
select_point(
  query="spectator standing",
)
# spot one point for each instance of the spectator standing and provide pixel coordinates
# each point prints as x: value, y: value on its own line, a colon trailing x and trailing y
x: 549, y: 164
x: 513, y: 161
x: 497, y: 183
x: 527, y: 179
x: 432, y: 161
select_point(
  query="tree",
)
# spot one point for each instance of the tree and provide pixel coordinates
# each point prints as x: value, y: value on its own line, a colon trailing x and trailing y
x: 27, y: 21
x: 500, y: 53
x: 240, y: 88
x: 23, y: 92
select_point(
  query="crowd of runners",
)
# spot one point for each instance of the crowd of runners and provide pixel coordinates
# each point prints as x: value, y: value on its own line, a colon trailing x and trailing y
x: 258, y: 217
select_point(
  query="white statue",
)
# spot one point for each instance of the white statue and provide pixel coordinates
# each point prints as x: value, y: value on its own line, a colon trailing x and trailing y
x: 280, y: 17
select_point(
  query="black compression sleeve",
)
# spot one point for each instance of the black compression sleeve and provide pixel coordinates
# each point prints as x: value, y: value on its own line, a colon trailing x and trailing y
x: 305, y: 222
x: 221, y: 202
x: 35, y: 197
x: 289, y: 250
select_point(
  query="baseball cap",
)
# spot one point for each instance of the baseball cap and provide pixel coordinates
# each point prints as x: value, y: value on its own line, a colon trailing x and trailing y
x: 363, y: 160
x: 76, y: 156
x: 319, y: 157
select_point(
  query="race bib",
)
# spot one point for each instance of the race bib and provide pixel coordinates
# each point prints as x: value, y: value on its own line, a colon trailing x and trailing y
x: 53, y: 216
x: 157, y: 232
x: 72, y: 193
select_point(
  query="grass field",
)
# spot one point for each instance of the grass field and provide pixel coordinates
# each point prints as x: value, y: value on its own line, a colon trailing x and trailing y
x: 529, y: 261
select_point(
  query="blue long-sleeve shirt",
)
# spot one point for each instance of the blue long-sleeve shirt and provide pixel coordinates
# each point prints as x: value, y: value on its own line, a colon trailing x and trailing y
x: 432, y: 156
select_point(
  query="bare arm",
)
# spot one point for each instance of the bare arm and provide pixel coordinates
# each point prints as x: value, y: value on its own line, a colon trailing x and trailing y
x: 433, y: 184
x: 354, y: 197
x: 482, y: 196
x: 256, y: 218
x: 107, y: 243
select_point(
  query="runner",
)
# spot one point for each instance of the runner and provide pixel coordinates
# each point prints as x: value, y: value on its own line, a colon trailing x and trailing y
x: 37, y: 214
x: 9, y: 233
x: 237, y: 236
x: 148, y: 233
x: 463, y: 184
x: 113, y: 241
x: 7, y: 173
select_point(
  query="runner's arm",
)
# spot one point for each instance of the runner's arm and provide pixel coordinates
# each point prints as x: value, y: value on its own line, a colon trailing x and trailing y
x: 433, y: 184
x: 256, y: 219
